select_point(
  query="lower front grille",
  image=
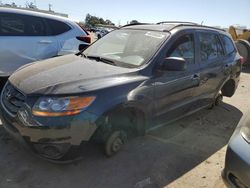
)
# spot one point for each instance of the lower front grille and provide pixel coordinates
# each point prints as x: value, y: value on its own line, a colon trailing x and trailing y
x: 12, y: 99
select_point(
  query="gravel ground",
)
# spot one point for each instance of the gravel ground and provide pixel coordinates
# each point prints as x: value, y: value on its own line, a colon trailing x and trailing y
x: 187, y: 153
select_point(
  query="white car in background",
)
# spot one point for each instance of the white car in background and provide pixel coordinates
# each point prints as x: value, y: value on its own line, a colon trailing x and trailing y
x: 28, y: 36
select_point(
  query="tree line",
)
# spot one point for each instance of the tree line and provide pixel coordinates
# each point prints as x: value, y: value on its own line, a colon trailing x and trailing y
x: 92, y: 21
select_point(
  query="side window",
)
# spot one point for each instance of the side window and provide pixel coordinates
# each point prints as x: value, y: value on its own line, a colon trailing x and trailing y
x: 228, y: 44
x: 57, y: 27
x: 21, y: 25
x: 35, y: 26
x: 210, y: 47
x: 183, y: 47
x: 11, y: 25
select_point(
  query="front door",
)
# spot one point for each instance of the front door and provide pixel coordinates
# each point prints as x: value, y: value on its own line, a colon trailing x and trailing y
x: 174, y: 89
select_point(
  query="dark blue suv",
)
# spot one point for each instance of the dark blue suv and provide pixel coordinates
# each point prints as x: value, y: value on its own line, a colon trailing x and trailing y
x: 132, y: 80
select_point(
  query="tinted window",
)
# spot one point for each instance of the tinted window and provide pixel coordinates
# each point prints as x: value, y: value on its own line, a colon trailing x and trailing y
x: 21, y: 25
x: 11, y: 25
x: 183, y: 47
x: 57, y: 27
x: 228, y: 44
x: 210, y: 46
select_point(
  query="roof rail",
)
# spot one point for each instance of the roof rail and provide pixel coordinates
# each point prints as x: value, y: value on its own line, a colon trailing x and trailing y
x: 196, y: 25
x: 210, y: 27
x: 134, y: 24
x: 176, y: 22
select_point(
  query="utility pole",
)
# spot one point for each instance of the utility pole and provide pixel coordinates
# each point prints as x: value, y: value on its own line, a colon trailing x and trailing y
x: 50, y: 7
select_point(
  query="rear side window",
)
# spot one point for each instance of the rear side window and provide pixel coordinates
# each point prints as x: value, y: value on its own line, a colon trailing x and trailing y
x: 57, y: 27
x: 82, y: 27
x: 35, y: 26
x: 228, y: 44
x: 21, y: 25
x: 210, y: 46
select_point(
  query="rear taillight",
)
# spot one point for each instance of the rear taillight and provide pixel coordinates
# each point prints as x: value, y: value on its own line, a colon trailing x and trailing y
x: 86, y: 39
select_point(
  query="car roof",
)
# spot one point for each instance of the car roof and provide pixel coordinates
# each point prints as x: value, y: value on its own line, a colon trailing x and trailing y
x: 34, y: 13
x: 170, y: 26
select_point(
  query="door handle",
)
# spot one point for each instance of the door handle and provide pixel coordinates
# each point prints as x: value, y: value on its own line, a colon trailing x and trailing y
x: 45, y: 41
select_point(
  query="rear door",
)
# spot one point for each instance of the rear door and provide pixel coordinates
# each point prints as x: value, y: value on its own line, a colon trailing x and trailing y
x: 210, y: 55
x: 23, y: 39
x: 66, y: 36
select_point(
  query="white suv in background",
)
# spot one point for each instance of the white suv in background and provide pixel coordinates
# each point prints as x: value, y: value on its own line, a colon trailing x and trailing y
x: 27, y: 36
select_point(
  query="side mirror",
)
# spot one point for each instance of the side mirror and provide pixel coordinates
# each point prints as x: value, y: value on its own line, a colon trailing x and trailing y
x: 174, y: 64
x: 83, y: 47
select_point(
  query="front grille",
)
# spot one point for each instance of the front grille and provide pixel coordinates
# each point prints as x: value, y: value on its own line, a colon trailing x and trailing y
x: 12, y: 99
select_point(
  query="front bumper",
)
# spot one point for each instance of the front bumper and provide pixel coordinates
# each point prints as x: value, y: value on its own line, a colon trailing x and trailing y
x: 237, y: 164
x: 51, y: 142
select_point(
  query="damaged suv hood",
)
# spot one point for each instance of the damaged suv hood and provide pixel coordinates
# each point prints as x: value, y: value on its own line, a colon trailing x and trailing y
x: 69, y: 74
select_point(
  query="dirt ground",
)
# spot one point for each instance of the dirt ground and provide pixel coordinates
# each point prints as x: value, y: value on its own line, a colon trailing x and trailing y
x: 187, y: 153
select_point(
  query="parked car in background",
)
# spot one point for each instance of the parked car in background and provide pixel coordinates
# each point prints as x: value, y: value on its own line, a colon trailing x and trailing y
x: 28, y: 36
x: 101, y: 32
x: 132, y: 80
x: 237, y: 164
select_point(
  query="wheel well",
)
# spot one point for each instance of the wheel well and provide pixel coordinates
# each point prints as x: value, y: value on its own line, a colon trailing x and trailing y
x: 3, y: 80
x: 228, y: 88
x: 129, y: 119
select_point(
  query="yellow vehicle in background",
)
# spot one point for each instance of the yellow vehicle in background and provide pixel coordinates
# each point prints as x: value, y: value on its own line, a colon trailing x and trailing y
x: 242, y: 42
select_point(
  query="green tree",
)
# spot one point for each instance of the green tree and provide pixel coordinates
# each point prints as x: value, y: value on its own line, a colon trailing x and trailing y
x: 91, y: 21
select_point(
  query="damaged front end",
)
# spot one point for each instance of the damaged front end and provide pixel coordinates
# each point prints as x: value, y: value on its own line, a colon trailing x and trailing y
x: 51, y: 137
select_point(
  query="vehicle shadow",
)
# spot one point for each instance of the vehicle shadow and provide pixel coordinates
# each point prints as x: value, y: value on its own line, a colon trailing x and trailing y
x: 155, y: 160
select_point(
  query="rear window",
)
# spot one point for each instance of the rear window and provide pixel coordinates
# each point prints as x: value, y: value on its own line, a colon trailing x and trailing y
x: 228, y: 44
x: 83, y: 29
x: 57, y: 27
x: 21, y: 25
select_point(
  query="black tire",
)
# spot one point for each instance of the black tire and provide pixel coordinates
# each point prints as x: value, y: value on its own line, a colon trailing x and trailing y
x: 115, y: 142
x: 243, y: 47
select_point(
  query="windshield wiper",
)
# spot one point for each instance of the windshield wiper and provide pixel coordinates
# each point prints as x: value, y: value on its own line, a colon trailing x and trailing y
x: 102, y: 59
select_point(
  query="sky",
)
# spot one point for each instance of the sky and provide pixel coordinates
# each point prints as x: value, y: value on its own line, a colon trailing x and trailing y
x: 211, y: 12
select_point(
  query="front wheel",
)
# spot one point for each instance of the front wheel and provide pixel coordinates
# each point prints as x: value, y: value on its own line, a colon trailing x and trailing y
x: 115, y: 142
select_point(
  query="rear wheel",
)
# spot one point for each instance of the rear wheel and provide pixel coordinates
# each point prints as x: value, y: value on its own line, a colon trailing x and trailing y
x: 217, y: 101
